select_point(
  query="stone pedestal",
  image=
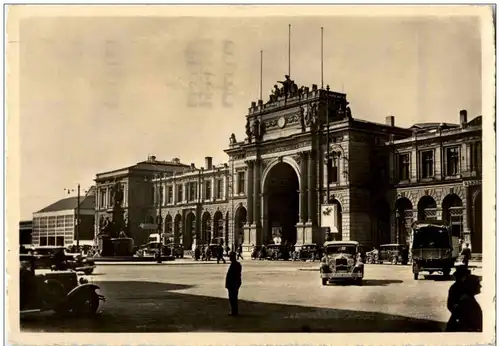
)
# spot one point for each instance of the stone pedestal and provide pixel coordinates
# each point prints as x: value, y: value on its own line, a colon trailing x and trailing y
x: 305, y: 234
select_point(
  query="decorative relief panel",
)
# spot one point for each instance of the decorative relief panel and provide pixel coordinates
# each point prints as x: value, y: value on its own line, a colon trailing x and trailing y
x: 277, y: 149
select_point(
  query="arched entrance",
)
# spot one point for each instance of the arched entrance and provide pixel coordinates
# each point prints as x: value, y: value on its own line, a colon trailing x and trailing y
x: 218, y: 226
x: 206, y: 233
x: 453, y: 214
x: 240, y: 218
x: 426, y: 208
x: 281, y: 208
x: 477, y: 224
x: 404, y: 219
x: 382, y: 234
x: 189, y: 230
x: 178, y: 238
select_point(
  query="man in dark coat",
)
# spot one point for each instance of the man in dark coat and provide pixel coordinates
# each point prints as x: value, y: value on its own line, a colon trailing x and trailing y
x: 220, y: 254
x: 467, y: 315
x: 233, y: 283
x: 457, y: 288
x: 466, y: 253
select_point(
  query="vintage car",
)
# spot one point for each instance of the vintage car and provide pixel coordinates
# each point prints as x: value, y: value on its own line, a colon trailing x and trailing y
x: 56, y: 257
x: 308, y: 252
x: 341, y: 262
x: 61, y: 291
x: 394, y: 253
x: 277, y: 252
x: 432, y: 247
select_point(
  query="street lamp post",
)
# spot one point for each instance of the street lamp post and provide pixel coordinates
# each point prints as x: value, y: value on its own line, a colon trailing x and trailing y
x: 77, y: 222
x: 160, y: 219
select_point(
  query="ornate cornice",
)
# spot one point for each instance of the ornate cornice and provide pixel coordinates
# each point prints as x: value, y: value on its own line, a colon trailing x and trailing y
x: 468, y: 183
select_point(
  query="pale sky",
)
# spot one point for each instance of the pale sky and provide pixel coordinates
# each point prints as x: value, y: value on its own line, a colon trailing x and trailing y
x: 98, y: 94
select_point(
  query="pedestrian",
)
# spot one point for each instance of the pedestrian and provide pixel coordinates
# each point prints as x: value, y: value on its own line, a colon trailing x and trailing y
x: 466, y: 253
x: 233, y: 283
x: 457, y: 288
x: 207, y: 253
x: 467, y: 315
x: 220, y: 254
x: 239, y: 251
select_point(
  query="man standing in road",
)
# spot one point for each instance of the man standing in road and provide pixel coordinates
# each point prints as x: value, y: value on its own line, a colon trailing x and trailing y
x: 466, y: 255
x: 233, y: 283
x: 220, y: 254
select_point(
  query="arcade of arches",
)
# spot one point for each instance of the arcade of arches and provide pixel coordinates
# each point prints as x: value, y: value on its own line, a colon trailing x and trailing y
x: 451, y: 210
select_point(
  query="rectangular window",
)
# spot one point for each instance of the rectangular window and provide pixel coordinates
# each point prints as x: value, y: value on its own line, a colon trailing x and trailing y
x: 51, y: 241
x: 102, y: 199
x: 192, y: 191
x: 427, y: 163
x: 404, y: 166
x: 452, y: 161
x: 170, y: 194
x: 219, y: 188
x: 208, y: 190
x: 60, y: 241
x: 476, y: 156
x: 332, y: 168
x: 241, y: 182
x: 179, y: 193
x: 43, y: 241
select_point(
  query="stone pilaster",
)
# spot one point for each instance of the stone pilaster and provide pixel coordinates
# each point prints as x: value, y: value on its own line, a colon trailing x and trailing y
x: 247, y: 229
x: 310, y: 187
x: 303, y: 187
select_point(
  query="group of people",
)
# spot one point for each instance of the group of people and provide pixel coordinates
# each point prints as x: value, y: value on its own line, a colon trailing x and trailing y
x: 217, y: 251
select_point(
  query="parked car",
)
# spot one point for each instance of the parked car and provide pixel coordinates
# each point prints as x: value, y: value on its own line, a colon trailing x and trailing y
x: 56, y: 258
x: 341, y: 262
x: 59, y: 291
x: 394, y: 253
x: 277, y: 251
x: 308, y: 252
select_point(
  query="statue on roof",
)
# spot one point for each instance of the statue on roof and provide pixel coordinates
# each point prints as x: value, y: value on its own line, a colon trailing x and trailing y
x: 232, y: 139
x: 302, y: 119
x: 256, y: 128
x: 289, y: 88
x: 248, y: 131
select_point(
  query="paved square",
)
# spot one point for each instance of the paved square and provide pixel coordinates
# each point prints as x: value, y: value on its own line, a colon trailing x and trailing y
x: 275, y: 297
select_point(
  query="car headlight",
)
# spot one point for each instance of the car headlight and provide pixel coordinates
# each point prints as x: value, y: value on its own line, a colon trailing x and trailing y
x: 350, y: 262
x: 83, y: 281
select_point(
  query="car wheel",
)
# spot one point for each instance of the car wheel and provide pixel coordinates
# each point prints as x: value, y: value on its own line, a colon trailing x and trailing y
x: 394, y: 261
x: 324, y: 282
x: 415, y: 276
x: 85, y: 304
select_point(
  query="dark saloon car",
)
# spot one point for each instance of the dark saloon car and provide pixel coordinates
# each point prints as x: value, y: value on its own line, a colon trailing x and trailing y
x: 56, y: 258
x: 394, y: 253
x: 277, y: 252
x: 308, y: 252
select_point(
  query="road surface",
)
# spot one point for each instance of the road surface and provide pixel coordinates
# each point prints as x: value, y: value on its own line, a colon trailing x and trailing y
x: 275, y: 297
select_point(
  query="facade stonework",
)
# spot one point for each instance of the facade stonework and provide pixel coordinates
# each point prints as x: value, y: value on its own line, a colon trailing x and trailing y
x: 304, y: 149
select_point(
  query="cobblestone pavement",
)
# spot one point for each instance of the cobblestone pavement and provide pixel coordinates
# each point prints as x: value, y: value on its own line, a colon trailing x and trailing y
x: 275, y: 297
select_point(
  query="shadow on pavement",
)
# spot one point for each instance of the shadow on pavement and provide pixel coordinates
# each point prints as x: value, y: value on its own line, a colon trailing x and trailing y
x: 135, y: 306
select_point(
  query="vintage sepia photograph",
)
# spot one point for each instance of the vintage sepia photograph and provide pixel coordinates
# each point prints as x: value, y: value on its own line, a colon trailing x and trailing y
x: 250, y: 169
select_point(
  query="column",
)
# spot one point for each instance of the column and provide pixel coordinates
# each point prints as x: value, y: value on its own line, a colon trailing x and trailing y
x: 303, y: 187
x: 310, y: 177
x: 184, y: 192
x: 250, y: 179
x: 257, y: 215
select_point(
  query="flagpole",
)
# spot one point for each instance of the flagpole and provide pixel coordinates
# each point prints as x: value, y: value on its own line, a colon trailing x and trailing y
x: 321, y: 57
x: 289, y: 46
x: 261, y: 59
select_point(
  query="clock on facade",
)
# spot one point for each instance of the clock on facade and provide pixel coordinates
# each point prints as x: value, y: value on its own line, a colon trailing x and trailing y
x: 281, y: 122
